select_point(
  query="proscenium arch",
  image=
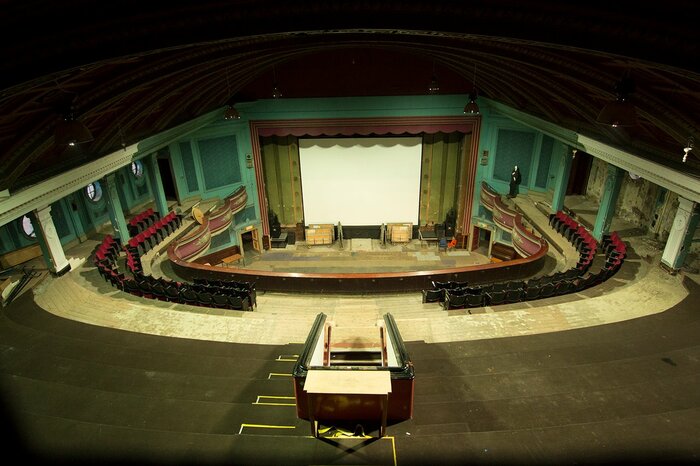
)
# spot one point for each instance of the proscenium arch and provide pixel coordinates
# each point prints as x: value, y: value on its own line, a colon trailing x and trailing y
x: 366, y: 126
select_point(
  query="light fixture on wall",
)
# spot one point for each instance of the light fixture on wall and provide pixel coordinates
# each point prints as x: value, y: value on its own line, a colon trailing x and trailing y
x: 70, y: 132
x: 688, y: 147
x: 620, y: 112
x: 472, y: 108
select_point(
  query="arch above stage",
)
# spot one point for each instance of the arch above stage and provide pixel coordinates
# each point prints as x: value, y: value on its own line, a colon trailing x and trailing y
x: 369, y: 127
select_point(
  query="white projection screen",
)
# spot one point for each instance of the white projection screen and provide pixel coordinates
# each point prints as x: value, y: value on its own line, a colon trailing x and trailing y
x: 360, y: 181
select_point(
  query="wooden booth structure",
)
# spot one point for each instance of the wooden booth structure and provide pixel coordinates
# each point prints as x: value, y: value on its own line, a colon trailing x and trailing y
x: 354, y: 375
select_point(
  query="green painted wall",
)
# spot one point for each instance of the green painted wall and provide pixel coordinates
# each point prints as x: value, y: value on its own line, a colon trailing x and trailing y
x: 234, y: 145
x: 76, y: 216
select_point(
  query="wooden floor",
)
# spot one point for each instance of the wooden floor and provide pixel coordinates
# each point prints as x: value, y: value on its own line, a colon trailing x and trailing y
x: 92, y: 375
x: 79, y: 393
x: 348, y: 258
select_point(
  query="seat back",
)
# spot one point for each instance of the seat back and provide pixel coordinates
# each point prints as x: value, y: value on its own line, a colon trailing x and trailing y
x: 433, y: 295
x: 454, y: 300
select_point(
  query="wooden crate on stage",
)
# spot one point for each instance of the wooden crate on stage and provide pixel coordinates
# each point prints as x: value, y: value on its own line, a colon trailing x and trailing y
x: 320, y: 234
x: 399, y: 232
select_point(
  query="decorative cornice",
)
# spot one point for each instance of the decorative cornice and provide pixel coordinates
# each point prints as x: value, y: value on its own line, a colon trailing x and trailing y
x: 682, y: 184
x: 53, y: 189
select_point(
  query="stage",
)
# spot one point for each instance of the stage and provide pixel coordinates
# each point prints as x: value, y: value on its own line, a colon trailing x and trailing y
x: 411, y: 266
x: 358, y: 255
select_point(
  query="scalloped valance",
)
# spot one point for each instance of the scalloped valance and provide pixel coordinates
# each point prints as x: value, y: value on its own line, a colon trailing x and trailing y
x: 365, y: 127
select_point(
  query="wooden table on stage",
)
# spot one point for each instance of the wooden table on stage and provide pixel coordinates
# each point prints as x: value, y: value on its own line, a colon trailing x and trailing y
x: 329, y: 386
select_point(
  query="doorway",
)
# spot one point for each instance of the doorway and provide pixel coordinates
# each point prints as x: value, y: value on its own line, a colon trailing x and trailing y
x: 247, y: 242
x: 481, y: 240
x: 250, y: 244
x: 166, y: 176
x: 580, y: 169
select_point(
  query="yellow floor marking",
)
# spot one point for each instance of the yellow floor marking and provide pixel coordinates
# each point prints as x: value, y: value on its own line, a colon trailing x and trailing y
x: 386, y: 437
x: 285, y: 360
x: 287, y: 357
x: 264, y: 426
x: 275, y: 404
x: 272, y: 397
x: 278, y: 374
x: 393, y: 447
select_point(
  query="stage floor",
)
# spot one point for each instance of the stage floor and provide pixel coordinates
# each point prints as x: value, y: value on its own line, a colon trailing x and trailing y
x: 360, y: 255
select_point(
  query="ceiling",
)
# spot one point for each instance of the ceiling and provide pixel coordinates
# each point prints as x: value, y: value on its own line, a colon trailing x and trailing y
x: 133, y: 69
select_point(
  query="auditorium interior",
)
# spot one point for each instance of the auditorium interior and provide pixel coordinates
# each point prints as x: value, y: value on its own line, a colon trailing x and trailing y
x: 291, y: 232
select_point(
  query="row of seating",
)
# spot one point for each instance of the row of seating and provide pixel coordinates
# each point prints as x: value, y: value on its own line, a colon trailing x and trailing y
x: 105, y: 256
x: 163, y: 289
x: 133, y: 261
x: 460, y: 295
x: 141, y: 221
x: 578, y: 235
x: 219, y: 294
x: 506, y: 292
x: 613, y: 248
x: 224, y: 283
x: 107, y: 250
x: 146, y: 240
x: 243, y: 289
x: 615, y: 252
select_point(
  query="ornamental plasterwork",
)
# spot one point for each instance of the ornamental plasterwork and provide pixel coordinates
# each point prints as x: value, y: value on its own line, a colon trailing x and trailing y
x: 55, y: 188
x: 680, y: 183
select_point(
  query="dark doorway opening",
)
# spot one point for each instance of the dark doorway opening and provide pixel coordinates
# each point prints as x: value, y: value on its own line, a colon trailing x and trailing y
x: 247, y: 243
x: 578, y: 177
x: 166, y: 176
x: 481, y: 240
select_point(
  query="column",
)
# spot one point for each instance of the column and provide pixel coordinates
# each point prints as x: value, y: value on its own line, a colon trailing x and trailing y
x: 114, y: 206
x: 562, y: 181
x: 74, y: 214
x: 608, y: 200
x: 681, y: 234
x: 49, y: 242
x: 156, y: 184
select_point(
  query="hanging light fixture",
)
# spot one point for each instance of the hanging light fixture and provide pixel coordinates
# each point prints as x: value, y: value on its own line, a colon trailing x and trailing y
x: 688, y: 147
x: 620, y: 112
x: 231, y: 112
x: 434, y: 88
x: 472, y: 108
x: 70, y: 132
x: 276, y: 93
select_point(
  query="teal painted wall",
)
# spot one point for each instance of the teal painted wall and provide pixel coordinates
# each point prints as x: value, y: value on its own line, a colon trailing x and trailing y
x: 510, y: 143
x: 75, y: 215
x: 206, y: 145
